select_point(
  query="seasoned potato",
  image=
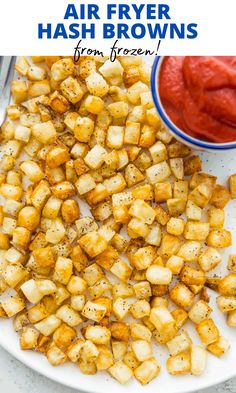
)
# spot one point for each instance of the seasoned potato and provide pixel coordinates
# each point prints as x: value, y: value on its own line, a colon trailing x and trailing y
x: 199, y: 311
x: 219, y: 238
x: 198, y: 359
x: 91, y: 136
x: 207, y: 331
x: 179, y: 364
x: 181, y: 295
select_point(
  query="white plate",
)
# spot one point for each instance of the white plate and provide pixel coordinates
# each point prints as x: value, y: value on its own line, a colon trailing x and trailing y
x: 218, y: 370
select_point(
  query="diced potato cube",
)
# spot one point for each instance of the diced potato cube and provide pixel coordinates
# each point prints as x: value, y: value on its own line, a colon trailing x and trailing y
x: 68, y: 315
x: 63, y: 270
x: 219, y: 347
x: 220, y: 196
x: 170, y: 245
x: 85, y: 183
x: 193, y: 212
x: 134, y: 92
x: 142, y: 350
x: 175, y: 264
x: 115, y: 184
x: 19, y: 90
x: 199, y: 311
x: 179, y: 364
x: 118, y: 109
x: 190, y: 251
x: 232, y: 185
x: 36, y: 73
x: 133, y: 175
x: 179, y: 343
x: 120, y: 308
x: 63, y: 336
x: 207, y: 331
x: 196, y: 230
x: 142, y: 290
x: 94, y: 311
x: 201, y: 195
x: 142, y: 210
x: 22, y: 133
x: 121, y: 270
x: 158, y: 172
x: 55, y: 232
x: 216, y: 217
x: 147, y: 371
x: 14, y: 274
x: 232, y: 263
x: 163, y: 191
x: 231, y: 320
x: 12, y: 305
x: 143, y: 257
x: 180, y: 316
x: 227, y: 285
x: 29, y: 338
x: 104, y: 359
x: 48, y: 325
x: 177, y: 167
x: 71, y: 90
x: 209, y: 259
x: 95, y: 157
x: 31, y: 291
x: 83, y: 129
x: 162, y: 217
x: 132, y: 133
x: 158, y: 152
x: 144, y: 192
x: 32, y: 170
x: 96, y: 85
x: 154, y: 236
x: 192, y: 164
x: 192, y: 276
x: 62, y: 68
x: 140, y: 309
x: 201, y: 177
x: 120, y: 331
x: 44, y: 132
x: 115, y: 137
x: 219, y: 238
x: 10, y: 191
x: 176, y: 206
x: 162, y: 319
x: 93, y: 244
x: 121, y: 372
x: 181, y: 295
x: 159, y: 275
x: 198, y: 359
x: 175, y: 226
x: 137, y: 228
x: 98, y: 335
x: 139, y: 331
x: 226, y: 303
x: 93, y: 104
x: 74, y: 351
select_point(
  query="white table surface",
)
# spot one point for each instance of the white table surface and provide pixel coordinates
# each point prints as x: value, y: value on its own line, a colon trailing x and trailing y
x: 17, y: 378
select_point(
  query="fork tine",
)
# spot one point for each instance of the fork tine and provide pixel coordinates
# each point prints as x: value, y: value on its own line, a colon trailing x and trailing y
x: 6, y: 74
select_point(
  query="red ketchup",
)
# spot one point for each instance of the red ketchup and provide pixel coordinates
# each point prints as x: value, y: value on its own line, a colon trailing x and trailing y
x: 199, y: 95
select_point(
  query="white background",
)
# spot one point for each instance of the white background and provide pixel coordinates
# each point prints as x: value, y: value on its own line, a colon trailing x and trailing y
x: 19, y: 20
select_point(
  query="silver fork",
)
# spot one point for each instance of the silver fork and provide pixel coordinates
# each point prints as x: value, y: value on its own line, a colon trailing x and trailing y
x: 6, y: 75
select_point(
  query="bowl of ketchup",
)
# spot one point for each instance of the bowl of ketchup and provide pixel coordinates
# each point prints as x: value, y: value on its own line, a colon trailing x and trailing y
x: 195, y: 97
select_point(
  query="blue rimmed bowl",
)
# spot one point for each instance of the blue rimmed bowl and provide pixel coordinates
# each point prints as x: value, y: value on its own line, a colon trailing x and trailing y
x: 175, y: 131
